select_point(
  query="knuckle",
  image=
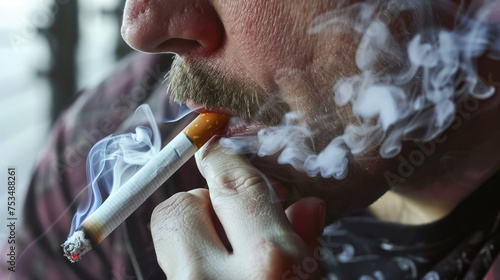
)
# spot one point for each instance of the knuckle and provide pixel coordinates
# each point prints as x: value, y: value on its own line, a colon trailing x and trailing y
x: 173, y: 208
x: 239, y: 180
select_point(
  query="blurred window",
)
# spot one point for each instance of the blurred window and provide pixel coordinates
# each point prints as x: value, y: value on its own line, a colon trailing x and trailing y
x: 49, y: 49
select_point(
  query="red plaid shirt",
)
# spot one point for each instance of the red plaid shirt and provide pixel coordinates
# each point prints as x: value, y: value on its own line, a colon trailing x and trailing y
x: 359, y: 247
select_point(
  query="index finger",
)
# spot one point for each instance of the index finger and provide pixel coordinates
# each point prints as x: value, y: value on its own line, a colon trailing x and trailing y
x: 241, y: 197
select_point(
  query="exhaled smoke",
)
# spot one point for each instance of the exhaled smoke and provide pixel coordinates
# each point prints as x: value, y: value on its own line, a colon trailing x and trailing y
x: 414, y: 101
x: 116, y: 158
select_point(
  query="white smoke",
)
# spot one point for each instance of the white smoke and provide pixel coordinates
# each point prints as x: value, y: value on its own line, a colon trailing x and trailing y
x: 115, y: 159
x: 417, y: 103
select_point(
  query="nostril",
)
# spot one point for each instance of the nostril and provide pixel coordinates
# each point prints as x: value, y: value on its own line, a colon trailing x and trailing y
x: 179, y: 46
x: 181, y: 27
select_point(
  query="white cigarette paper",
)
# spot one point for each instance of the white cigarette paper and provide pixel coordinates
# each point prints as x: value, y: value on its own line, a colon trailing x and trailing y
x: 122, y: 203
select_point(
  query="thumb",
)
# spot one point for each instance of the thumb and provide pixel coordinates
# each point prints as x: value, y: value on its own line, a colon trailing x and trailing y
x: 307, y: 217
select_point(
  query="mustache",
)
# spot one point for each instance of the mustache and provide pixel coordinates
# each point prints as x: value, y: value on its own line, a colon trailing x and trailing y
x: 200, y: 83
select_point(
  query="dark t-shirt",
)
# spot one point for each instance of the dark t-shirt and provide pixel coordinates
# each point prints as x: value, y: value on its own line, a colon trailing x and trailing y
x: 356, y: 247
x: 463, y: 245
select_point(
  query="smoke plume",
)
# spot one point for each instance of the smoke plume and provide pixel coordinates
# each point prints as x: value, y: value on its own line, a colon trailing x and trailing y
x: 413, y: 102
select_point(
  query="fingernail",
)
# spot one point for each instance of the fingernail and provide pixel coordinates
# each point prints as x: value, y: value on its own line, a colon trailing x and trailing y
x: 321, y: 214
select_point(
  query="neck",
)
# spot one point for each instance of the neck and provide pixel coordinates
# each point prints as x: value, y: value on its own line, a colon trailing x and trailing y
x: 456, y: 163
x: 433, y: 191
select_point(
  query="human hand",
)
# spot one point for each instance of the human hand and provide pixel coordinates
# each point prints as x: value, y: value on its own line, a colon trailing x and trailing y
x: 190, y: 229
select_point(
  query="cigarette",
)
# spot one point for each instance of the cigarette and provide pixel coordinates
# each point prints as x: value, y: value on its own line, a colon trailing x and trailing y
x: 121, y: 204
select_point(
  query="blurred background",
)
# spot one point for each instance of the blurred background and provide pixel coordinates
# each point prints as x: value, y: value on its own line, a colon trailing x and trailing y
x: 49, y: 49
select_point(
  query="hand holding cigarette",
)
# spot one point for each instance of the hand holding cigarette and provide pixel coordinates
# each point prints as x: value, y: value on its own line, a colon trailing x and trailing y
x: 188, y: 229
x: 148, y: 179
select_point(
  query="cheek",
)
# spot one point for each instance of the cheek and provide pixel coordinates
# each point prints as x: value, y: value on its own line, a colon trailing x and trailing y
x: 266, y: 34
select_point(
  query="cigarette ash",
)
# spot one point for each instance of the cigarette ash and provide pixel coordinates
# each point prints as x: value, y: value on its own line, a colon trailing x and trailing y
x: 76, y: 246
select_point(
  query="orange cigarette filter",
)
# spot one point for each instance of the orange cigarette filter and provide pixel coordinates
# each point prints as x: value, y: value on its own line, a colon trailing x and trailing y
x: 204, y: 127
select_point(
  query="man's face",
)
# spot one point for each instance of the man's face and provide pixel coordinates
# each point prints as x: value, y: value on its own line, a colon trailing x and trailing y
x: 258, y: 60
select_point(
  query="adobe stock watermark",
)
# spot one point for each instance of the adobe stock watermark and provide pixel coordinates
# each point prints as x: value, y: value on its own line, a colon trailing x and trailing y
x: 417, y: 157
x: 310, y: 265
x: 127, y: 104
x: 42, y: 16
x: 492, y: 82
x: 323, y: 253
x: 74, y: 155
x: 122, y: 275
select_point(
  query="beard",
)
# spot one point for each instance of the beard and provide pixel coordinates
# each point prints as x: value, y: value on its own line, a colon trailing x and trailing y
x: 202, y: 84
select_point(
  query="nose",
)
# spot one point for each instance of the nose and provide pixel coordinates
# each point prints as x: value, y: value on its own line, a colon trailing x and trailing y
x: 185, y: 27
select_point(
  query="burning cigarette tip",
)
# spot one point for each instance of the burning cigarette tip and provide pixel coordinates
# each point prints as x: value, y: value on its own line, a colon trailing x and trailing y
x: 204, y: 127
x: 76, y: 246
